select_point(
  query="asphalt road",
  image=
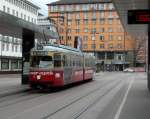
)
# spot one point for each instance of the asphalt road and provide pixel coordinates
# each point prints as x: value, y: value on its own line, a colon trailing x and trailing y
x: 113, y: 95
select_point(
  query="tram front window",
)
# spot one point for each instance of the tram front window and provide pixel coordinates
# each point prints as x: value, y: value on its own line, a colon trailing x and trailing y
x: 42, y: 62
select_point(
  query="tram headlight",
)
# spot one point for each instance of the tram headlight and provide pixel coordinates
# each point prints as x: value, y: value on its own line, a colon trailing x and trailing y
x: 57, y: 75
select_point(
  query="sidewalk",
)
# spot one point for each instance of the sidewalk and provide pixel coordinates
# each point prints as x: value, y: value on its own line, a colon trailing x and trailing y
x: 11, y: 84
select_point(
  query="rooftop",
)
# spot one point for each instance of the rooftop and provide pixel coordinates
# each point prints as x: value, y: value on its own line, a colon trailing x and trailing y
x: 31, y: 3
x: 63, y: 2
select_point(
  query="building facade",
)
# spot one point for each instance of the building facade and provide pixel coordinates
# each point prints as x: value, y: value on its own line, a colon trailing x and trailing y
x: 11, y: 47
x: 98, y: 25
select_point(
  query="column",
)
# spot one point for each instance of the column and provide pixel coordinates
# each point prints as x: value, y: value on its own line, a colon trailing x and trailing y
x: 27, y: 44
x: 148, y: 81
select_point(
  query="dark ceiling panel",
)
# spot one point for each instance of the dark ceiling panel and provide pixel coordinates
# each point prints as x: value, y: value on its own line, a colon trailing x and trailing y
x: 12, y: 26
x: 123, y: 6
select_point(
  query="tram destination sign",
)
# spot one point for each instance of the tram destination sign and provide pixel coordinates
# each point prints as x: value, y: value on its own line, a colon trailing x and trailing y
x: 139, y: 16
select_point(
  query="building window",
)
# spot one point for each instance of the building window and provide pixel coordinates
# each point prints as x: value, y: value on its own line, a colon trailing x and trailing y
x: 69, y: 30
x: 69, y: 38
x: 77, y: 22
x: 110, y: 37
x: 4, y: 8
x: 85, y: 46
x: 102, y: 21
x: 119, y: 37
x: 93, y: 30
x: 7, y: 47
x: 93, y: 46
x: 93, y: 36
x: 3, y: 46
x: 78, y: 7
x: 8, y: 10
x: 101, y: 30
x: 94, y: 15
x: 16, y: 48
x: 24, y: 17
x: 12, y: 47
x: 102, y: 14
x: 110, y: 30
x: 85, y: 21
x: 110, y: 21
x: 77, y: 30
x: 62, y: 8
x: 14, y: 64
x: 20, y: 48
x: 13, y: 12
x: 20, y: 64
x: 68, y: 16
x: 85, y: 38
x: 110, y: 46
x: 110, y: 14
x: 101, y: 46
x: 69, y: 22
x: 85, y: 30
x: 94, y: 21
x: 77, y: 16
x: 85, y: 15
x: 4, y: 64
x: 21, y: 15
x: 119, y: 57
x: 17, y: 13
x: 101, y: 38
x: 119, y: 46
x: 110, y: 6
x: 28, y: 18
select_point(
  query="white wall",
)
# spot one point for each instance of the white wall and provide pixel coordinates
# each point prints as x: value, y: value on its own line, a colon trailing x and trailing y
x: 20, y: 11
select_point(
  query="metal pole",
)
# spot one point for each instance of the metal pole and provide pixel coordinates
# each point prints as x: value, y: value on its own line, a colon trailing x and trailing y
x: 124, y: 51
x: 148, y: 81
x: 66, y: 29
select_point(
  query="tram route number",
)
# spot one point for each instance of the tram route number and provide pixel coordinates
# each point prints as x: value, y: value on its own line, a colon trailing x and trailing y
x: 41, y: 53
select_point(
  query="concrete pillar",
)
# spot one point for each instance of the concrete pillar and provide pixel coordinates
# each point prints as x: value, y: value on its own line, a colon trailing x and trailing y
x: 27, y: 44
x: 148, y: 81
x: 0, y: 50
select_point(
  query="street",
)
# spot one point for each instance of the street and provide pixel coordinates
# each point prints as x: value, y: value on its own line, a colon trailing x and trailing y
x: 111, y: 95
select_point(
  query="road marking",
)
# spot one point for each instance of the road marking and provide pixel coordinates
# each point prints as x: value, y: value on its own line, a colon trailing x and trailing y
x: 124, y: 100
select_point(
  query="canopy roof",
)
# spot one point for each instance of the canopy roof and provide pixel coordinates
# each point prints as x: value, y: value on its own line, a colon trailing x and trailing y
x: 123, y: 6
x: 13, y: 26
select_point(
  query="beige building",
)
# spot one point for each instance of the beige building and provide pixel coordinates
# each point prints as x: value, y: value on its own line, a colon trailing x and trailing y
x: 98, y: 25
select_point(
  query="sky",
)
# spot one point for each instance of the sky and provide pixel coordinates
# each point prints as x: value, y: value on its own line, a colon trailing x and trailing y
x: 42, y: 5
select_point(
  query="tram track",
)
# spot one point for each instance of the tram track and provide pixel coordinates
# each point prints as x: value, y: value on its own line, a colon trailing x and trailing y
x: 82, y: 97
x: 55, y: 97
x: 18, y: 97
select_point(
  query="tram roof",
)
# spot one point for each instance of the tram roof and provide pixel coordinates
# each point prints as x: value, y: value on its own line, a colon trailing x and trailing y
x: 58, y: 48
x: 13, y: 26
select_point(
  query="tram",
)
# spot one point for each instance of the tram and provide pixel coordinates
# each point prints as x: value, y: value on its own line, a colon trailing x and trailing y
x: 58, y: 65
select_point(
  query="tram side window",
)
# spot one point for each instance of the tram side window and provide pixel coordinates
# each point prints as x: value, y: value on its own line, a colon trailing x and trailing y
x: 57, y: 60
x: 65, y: 61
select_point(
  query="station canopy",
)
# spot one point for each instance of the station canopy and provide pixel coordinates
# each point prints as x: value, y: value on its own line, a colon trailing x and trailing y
x: 122, y: 6
x: 13, y: 26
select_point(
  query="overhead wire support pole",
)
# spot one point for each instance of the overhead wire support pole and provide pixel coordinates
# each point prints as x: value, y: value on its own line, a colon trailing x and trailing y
x: 148, y: 72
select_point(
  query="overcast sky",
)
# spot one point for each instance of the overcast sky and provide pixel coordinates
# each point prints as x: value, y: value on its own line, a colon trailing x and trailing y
x: 42, y: 5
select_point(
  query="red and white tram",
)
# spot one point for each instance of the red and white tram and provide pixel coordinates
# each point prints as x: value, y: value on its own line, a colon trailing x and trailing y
x: 57, y: 65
